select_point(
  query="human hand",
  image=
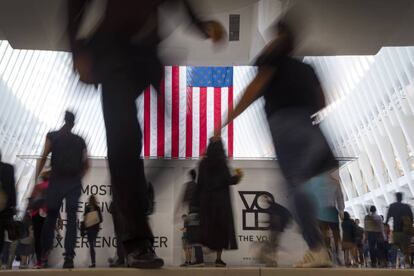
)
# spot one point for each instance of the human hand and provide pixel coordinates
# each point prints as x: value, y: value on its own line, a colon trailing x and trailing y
x: 239, y: 172
x: 214, y: 30
x: 82, y: 64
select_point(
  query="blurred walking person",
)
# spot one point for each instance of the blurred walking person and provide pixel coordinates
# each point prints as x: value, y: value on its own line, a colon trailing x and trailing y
x: 327, y: 193
x: 359, y: 242
x: 402, y: 216
x: 121, y: 52
x: 213, y: 194
x: 374, y: 233
x: 69, y: 163
x: 293, y: 94
x: 7, y: 198
x: 349, y: 233
x: 92, y: 219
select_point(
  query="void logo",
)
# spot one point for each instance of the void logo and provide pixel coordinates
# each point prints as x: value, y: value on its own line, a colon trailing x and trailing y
x: 255, y: 211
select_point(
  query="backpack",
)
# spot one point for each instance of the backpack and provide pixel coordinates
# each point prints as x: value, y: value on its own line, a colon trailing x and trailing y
x: 67, y: 154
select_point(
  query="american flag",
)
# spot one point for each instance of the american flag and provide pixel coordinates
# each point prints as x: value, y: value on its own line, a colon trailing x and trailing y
x: 179, y: 120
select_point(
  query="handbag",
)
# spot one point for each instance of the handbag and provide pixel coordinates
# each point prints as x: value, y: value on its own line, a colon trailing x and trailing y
x: 91, y: 219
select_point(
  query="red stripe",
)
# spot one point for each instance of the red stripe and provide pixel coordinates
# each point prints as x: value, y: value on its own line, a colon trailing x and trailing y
x: 203, y: 120
x: 230, y: 126
x: 161, y: 120
x: 175, y: 120
x: 189, y: 124
x: 147, y: 118
x: 217, y: 109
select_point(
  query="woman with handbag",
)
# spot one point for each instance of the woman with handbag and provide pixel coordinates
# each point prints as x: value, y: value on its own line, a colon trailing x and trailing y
x: 91, y: 223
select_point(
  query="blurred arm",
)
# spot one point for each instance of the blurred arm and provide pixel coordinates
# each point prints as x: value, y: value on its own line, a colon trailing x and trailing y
x: 75, y: 14
x: 46, y: 150
x: 252, y: 93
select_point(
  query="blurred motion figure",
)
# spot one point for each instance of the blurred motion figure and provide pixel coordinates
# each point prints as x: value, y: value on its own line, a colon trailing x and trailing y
x: 119, y: 51
x: 293, y: 94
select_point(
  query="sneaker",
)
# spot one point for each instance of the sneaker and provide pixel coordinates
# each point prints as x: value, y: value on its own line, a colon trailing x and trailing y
x: 68, y: 264
x: 220, y: 263
x: 315, y: 259
x: 92, y: 266
x: 144, y: 258
x: 197, y: 264
x: 185, y: 264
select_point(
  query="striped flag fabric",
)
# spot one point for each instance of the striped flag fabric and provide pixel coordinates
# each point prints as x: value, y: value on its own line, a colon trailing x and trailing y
x: 181, y: 117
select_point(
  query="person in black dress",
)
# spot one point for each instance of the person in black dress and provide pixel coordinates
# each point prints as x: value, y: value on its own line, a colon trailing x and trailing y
x: 213, y: 194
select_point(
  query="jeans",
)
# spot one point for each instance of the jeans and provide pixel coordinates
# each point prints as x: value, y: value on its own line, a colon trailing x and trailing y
x: 92, y: 235
x: 376, y: 248
x: 302, y: 152
x: 59, y: 189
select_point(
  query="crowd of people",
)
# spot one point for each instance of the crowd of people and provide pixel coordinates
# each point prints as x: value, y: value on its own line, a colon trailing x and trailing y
x: 120, y: 53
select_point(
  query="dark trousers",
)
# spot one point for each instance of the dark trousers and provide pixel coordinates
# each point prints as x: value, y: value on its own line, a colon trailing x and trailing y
x: 120, y: 252
x: 59, y: 189
x: 38, y: 222
x: 302, y: 152
x: 198, y: 253
x: 124, y: 142
x: 376, y: 248
x: 6, y: 218
x: 92, y: 235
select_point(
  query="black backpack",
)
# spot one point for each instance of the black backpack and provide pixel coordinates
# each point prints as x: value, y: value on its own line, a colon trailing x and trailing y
x: 67, y: 154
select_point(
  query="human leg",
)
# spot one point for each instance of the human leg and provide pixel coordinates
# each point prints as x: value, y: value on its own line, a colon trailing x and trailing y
x: 72, y: 199
x: 130, y: 193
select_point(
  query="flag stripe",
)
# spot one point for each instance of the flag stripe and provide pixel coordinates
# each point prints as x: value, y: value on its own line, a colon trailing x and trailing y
x: 203, y: 120
x: 147, y: 117
x: 217, y: 108
x: 210, y: 112
x: 168, y: 110
x: 160, y: 119
x: 189, y: 124
x: 183, y: 112
x: 175, y: 124
x: 231, y: 125
x: 224, y: 106
x: 196, y: 121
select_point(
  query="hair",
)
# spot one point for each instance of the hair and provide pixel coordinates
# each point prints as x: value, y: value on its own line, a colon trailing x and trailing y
x: 184, y: 216
x: 69, y: 118
x: 399, y: 196
x: 373, y: 209
x: 347, y: 216
x: 45, y: 175
x: 357, y: 220
x: 92, y: 200
x: 193, y: 174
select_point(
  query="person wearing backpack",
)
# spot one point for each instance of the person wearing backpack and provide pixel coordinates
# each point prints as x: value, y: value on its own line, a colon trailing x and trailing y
x: 92, y: 218
x: 69, y: 164
x: 7, y: 198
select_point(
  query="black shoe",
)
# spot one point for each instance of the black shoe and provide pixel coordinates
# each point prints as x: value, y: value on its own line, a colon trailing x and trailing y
x: 68, y: 264
x: 220, y: 263
x: 144, y: 258
x: 92, y: 266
